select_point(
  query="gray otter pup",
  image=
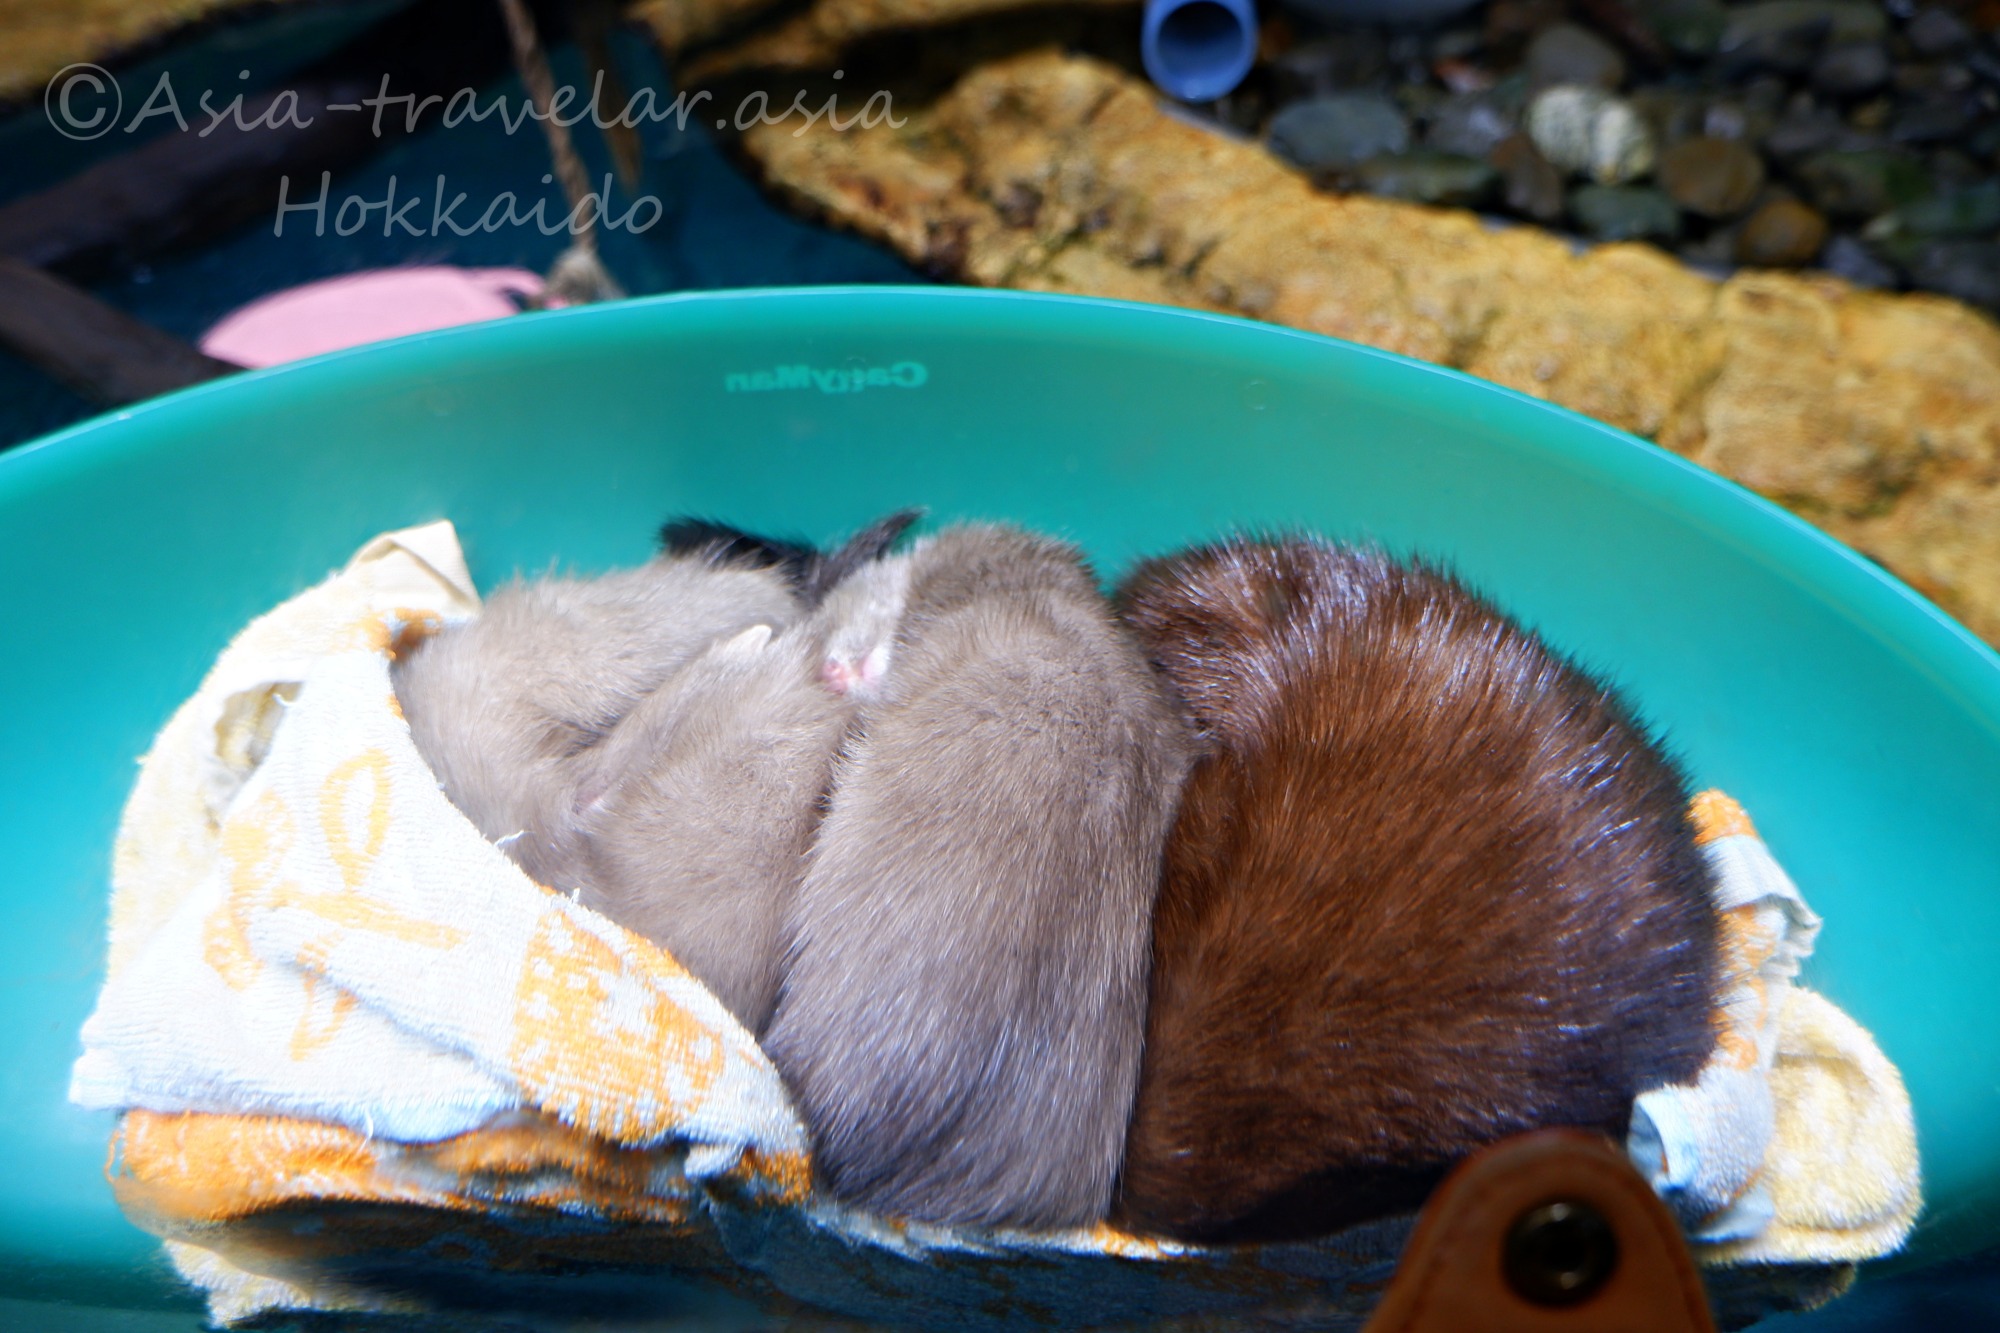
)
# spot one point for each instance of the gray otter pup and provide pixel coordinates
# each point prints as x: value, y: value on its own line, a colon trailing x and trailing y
x: 964, y: 997
x: 550, y: 718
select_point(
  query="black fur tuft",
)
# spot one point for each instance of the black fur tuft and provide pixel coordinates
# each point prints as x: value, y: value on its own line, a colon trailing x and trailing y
x: 811, y: 572
x: 725, y: 545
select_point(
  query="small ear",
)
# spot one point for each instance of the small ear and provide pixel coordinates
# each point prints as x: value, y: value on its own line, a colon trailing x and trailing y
x: 747, y: 644
x: 869, y: 544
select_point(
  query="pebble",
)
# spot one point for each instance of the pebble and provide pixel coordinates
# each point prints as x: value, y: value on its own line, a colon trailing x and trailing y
x: 1934, y: 121
x: 1327, y: 64
x: 1588, y: 131
x: 1373, y: 11
x: 1766, y: 94
x: 1565, y: 53
x: 1913, y: 79
x: 1763, y: 102
x: 1862, y: 184
x: 1787, y: 35
x: 1937, y: 32
x: 1426, y: 177
x: 1781, y: 234
x: 1509, y: 23
x: 1717, y: 250
x: 1625, y: 213
x: 1859, y: 135
x: 1770, y: 36
x: 1528, y: 183
x: 1470, y: 126
x: 1512, y: 92
x: 1969, y: 270
x: 1733, y: 119
x: 1421, y: 102
x: 1815, y: 131
x: 1851, y: 70
x: 1951, y: 168
x: 1715, y: 178
x: 1847, y: 257
x: 1691, y: 28
x: 1339, y: 132
x: 1871, y: 116
x: 1973, y: 210
x: 1673, y: 114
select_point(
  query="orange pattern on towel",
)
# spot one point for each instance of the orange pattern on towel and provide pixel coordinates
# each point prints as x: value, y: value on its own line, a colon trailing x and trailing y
x: 326, y: 1008
x: 1716, y: 816
x: 779, y: 1178
x: 255, y: 843
x: 174, y: 1171
x: 210, y: 1168
x: 1747, y: 944
x: 336, y: 819
x: 354, y: 857
x: 370, y: 631
x: 598, y: 1043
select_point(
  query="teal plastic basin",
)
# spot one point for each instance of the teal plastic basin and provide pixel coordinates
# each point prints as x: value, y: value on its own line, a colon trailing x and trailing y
x: 1858, y: 724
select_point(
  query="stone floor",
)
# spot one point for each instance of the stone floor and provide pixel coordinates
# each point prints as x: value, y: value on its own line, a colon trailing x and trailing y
x: 1857, y: 136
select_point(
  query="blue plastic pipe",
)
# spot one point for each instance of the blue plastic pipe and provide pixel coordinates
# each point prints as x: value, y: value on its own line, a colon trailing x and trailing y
x: 1197, y: 50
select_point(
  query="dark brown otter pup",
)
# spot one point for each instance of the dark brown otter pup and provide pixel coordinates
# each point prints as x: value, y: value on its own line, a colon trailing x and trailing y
x: 1430, y: 886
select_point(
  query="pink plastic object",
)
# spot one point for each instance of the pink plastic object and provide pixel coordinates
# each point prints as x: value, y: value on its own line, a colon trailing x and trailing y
x: 363, y: 308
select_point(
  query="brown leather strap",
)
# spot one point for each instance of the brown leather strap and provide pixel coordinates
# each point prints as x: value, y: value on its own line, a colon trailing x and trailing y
x: 1551, y: 1232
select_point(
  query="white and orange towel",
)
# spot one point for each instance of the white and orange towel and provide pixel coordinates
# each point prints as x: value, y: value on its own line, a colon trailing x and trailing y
x: 326, y: 987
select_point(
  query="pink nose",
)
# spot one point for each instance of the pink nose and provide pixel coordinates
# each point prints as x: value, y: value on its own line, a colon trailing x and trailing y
x: 840, y: 676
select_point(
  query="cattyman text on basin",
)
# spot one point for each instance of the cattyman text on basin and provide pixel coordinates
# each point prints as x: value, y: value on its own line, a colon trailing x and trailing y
x: 831, y: 379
